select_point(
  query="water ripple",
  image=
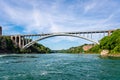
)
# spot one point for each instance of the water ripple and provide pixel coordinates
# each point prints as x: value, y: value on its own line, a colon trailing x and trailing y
x: 58, y: 67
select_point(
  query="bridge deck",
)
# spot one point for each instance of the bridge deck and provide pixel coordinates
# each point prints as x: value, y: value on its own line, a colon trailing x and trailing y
x: 42, y: 34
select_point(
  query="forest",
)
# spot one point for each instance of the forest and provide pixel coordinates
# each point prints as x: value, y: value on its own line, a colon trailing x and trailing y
x: 8, y: 46
x: 111, y: 43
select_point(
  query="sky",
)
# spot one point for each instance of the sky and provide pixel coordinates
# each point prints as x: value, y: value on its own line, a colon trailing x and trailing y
x: 47, y: 16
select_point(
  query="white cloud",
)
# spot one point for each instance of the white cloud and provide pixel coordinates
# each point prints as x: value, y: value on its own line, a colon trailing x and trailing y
x: 90, y: 6
x: 42, y: 17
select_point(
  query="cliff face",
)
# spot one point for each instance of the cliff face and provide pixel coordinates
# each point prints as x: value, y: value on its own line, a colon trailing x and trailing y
x: 104, y: 52
x: 87, y: 47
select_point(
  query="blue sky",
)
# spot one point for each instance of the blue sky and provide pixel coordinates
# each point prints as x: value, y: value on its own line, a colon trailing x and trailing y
x: 46, y: 16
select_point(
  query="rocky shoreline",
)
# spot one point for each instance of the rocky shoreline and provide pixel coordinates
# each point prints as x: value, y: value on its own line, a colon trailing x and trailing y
x: 105, y: 53
x: 113, y: 55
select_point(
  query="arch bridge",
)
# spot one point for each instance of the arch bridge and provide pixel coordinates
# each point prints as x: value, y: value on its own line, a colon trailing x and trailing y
x: 25, y: 41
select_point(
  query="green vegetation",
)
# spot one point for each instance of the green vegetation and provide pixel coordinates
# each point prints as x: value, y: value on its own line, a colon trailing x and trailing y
x: 78, y: 49
x: 8, y: 46
x: 94, y: 49
x: 111, y: 43
x: 37, y: 48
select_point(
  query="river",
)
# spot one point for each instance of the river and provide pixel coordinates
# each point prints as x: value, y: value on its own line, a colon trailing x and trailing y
x: 58, y: 67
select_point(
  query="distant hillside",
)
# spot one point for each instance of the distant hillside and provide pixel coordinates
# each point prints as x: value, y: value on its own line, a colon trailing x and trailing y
x: 7, y: 46
x: 111, y: 43
x: 78, y: 49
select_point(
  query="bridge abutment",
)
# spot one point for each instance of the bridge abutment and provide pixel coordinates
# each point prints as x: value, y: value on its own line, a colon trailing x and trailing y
x: 18, y: 40
x: 109, y: 32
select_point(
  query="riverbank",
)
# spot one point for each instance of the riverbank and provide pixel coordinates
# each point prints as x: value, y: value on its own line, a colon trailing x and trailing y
x: 106, y: 53
x: 113, y: 55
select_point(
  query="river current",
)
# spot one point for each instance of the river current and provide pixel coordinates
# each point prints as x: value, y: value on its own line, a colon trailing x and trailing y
x: 58, y: 67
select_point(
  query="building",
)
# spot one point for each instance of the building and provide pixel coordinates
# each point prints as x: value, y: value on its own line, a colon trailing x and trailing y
x: 0, y: 31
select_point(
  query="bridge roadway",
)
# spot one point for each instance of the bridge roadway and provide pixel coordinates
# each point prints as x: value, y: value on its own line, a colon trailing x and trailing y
x: 25, y: 41
x: 45, y: 34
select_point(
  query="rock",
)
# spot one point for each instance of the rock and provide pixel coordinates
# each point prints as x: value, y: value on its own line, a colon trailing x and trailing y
x: 87, y: 47
x: 104, y: 52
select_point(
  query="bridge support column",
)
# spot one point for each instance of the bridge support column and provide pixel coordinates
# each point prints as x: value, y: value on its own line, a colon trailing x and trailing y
x: 29, y: 39
x: 91, y: 35
x: 22, y: 41
x: 14, y: 39
x: 26, y: 41
x: 19, y: 41
x: 11, y: 37
x: 109, y: 33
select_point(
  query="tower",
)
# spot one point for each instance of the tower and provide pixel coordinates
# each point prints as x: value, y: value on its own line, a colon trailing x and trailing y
x: 0, y: 31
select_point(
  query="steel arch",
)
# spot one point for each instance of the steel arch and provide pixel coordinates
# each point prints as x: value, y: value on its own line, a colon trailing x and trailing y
x: 53, y: 35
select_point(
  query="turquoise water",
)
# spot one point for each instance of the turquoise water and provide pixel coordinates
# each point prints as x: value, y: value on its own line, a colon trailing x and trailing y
x: 58, y: 67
